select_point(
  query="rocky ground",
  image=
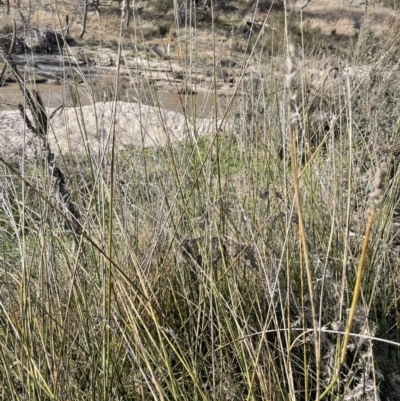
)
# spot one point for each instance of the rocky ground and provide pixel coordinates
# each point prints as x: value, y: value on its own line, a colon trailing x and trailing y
x: 77, y: 130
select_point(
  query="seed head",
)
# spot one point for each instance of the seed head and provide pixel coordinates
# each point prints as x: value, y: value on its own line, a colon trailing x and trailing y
x: 378, y: 185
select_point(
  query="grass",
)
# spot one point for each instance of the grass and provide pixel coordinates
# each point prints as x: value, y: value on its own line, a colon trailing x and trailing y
x: 151, y: 293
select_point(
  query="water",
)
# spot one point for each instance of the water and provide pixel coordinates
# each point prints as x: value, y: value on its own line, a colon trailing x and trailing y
x: 57, y: 88
x: 54, y: 95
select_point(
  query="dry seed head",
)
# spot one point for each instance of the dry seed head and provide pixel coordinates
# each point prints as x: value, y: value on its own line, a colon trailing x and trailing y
x: 378, y: 185
x: 291, y: 72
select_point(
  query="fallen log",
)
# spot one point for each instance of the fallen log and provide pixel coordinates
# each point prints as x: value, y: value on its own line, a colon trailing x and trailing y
x: 36, y: 40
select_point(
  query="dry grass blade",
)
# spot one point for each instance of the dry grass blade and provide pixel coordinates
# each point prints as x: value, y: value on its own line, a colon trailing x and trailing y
x: 293, y: 118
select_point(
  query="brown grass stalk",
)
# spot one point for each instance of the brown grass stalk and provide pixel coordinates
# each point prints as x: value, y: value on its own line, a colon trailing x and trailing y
x: 292, y: 115
x: 374, y: 199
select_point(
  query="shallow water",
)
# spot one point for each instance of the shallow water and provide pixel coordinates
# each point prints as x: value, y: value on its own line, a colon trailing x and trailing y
x: 54, y: 95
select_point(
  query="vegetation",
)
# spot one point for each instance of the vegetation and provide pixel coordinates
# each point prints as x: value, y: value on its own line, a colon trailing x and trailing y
x: 257, y: 262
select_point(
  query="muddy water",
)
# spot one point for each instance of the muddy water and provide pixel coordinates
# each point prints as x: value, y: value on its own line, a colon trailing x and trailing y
x: 54, y: 95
